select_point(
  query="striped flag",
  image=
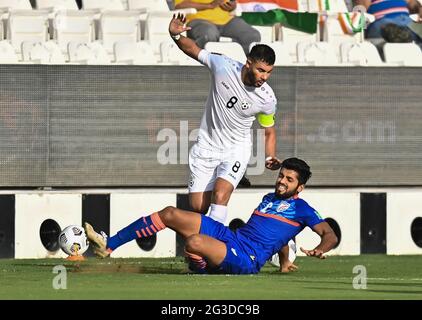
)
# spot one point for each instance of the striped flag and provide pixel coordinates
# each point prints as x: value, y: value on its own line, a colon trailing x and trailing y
x: 285, y: 12
x: 266, y: 5
x: 352, y: 23
x: 291, y: 14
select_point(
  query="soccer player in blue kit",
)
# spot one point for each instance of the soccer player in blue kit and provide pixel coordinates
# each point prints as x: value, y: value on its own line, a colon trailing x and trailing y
x: 213, y: 247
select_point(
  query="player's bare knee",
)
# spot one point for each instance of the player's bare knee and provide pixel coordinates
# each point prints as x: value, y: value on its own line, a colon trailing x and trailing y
x: 221, y: 197
x: 194, y: 243
x: 199, y: 207
x: 202, y: 209
x: 168, y: 213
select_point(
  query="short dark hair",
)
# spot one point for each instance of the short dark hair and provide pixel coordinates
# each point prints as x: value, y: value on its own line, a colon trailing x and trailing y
x: 262, y: 52
x: 300, y: 166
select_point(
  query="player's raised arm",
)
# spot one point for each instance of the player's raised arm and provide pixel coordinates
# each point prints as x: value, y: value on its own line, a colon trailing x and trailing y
x: 176, y: 27
x: 271, y: 161
x: 267, y: 121
x: 328, y: 241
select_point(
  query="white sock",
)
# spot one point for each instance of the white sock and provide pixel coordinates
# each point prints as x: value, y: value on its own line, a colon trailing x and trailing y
x: 218, y: 212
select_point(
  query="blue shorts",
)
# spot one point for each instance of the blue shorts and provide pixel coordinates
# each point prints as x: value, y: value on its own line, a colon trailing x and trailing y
x: 238, y: 260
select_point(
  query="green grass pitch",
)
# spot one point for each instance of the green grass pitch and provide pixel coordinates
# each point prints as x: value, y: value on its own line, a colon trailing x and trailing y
x: 388, y: 277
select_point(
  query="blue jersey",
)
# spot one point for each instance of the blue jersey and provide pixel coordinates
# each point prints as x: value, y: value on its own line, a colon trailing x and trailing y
x: 273, y: 223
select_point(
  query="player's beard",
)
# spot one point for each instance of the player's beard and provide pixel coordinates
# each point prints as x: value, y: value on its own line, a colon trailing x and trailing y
x: 253, y: 81
x: 286, y: 194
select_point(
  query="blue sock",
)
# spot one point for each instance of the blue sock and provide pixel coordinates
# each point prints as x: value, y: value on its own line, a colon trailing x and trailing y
x: 141, y: 228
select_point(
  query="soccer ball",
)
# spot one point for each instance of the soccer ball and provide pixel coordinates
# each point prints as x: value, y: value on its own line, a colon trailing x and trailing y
x: 73, y: 240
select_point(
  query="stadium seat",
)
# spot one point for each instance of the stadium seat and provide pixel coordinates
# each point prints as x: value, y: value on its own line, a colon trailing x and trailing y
x: 292, y: 37
x: 267, y: 33
x: 7, y: 53
x: 156, y: 29
x: 102, y: 5
x: 405, y: 54
x: 335, y: 6
x: 281, y: 50
x: 333, y: 32
x: 171, y: 54
x: 87, y: 53
x: 56, y: 5
x: 139, y: 53
x: 73, y: 26
x: 156, y: 6
x: 119, y: 26
x: 3, y: 17
x: 155, y: 18
x: 316, y: 54
x: 15, y: 4
x: 360, y: 54
x: 42, y: 52
x: 25, y: 25
x: 231, y: 49
x: 149, y: 5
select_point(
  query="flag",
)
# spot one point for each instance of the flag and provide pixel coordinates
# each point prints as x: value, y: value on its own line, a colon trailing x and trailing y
x: 290, y: 14
x: 352, y: 23
x: 266, y: 5
x: 301, y: 21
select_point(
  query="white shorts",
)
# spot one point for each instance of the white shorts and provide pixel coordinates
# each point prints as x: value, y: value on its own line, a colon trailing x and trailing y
x: 208, y: 165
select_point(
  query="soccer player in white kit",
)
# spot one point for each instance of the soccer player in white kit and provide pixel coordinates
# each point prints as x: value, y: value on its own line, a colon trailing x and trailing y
x: 238, y: 95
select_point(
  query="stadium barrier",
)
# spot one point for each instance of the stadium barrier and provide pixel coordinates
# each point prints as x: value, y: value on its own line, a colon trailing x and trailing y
x: 366, y: 221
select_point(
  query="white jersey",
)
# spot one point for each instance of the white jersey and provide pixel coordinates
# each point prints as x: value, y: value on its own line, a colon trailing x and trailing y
x: 231, y: 105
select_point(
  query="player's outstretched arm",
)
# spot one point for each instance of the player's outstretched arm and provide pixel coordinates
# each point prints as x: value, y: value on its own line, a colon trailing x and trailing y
x: 285, y: 264
x: 271, y: 161
x: 328, y: 241
x: 176, y: 27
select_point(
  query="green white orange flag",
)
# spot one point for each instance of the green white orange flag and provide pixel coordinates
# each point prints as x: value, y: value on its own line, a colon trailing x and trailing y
x: 266, y: 5
x: 285, y: 12
x: 352, y: 23
x: 291, y: 14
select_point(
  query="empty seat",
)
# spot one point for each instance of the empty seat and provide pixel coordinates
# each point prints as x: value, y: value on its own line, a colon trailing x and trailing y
x: 139, y: 53
x: 102, y: 5
x: 156, y: 6
x: 292, y: 37
x: 25, y: 25
x: 156, y: 29
x: 267, y: 33
x: 87, y: 53
x: 321, y: 6
x: 16, y: 4
x: 149, y: 5
x: 406, y: 54
x: 7, y: 53
x: 71, y: 26
x: 42, y: 52
x: 231, y: 49
x: 334, y: 33
x: 56, y: 4
x: 171, y: 54
x: 317, y: 54
x: 119, y: 26
x: 282, y: 55
x: 360, y: 54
